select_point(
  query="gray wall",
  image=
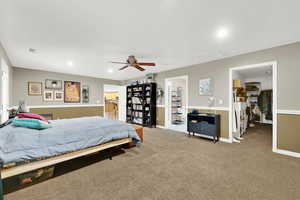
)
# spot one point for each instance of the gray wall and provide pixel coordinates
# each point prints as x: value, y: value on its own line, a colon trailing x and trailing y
x: 21, y: 77
x: 288, y: 58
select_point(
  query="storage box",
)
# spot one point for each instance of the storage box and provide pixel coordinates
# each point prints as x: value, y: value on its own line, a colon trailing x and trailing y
x: 237, y: 84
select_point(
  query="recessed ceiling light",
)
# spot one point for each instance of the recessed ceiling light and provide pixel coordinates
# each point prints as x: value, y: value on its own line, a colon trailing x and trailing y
x: 70, y: 63
x: 110, y: 70
x: 222, y: 33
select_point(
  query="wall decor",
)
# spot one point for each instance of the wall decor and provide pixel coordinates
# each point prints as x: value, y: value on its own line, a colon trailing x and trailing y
x: 53, y: 84
x: 35, y: 88
x: 205, y: 87
x: 48, y: 95
x: 58, y: 95
x: 85, y: 94
x: 72, y: 92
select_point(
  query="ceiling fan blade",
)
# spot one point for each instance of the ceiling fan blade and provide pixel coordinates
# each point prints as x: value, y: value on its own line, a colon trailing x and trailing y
x: 146, y: 64
x: 123, y: 67
x: 139, y: 67
x: 119, y: 63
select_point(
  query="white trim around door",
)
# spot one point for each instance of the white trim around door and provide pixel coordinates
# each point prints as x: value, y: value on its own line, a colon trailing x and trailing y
x: 274, y: 70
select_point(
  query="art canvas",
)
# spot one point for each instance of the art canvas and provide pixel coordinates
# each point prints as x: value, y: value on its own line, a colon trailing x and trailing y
x: 48, y: 95
x: 85, y: 94
x: 58, y: 96
x: 35, y: 88
x: 205, y: 87
x: 53, y: 84
x: 72, y: 92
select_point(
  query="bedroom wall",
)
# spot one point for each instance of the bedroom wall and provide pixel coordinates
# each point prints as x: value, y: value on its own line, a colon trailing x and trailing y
x: 22, y: 76
x: 288, y: 60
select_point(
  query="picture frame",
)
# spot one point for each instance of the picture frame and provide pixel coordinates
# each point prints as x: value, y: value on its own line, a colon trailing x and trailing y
x: 85, y: 94
x: 205, y: 87
x: 53, y: 84
x: 58, y: 95
x: 35, y: 88
x: 72, y: 92
x: 48, y: 95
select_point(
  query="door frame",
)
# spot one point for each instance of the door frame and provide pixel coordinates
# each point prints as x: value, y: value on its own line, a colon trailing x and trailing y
x: 186, y: 78
x: 274, y: 85
x: 4, y: 93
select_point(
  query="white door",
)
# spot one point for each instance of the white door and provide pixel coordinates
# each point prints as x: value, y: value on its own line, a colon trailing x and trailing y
x: 4, y: 91
x: 122, y: 103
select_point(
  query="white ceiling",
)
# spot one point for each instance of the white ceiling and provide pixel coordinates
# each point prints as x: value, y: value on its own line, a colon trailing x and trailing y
x: 172, y: 33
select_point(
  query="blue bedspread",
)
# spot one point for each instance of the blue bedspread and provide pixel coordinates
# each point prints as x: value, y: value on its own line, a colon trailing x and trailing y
x: 67, y: 135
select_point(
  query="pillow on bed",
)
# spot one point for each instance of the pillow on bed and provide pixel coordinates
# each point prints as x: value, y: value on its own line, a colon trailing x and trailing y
x: 31, y: 123
x: 32, y: 116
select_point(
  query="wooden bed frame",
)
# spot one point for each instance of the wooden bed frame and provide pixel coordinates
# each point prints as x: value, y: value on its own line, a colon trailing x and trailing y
x: 6, y: 173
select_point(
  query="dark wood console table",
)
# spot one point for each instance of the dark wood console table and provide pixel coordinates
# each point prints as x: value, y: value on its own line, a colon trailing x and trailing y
x: 205, y: 124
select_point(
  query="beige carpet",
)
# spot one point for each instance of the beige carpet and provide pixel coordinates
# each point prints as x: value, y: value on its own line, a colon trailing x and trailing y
x: 171, y: 166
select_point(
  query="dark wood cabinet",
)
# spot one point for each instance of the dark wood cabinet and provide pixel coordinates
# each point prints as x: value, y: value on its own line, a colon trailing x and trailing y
x: 205, y: 124
x: 141, y: 104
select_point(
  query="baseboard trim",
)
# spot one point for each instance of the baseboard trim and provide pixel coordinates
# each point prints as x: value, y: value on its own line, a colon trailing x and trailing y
x: 287, y: 153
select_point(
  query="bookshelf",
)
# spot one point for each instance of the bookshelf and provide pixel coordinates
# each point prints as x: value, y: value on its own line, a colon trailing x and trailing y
x: 141, y: 104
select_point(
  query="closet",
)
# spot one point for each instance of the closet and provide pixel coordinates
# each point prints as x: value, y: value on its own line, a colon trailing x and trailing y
x: 251, y: 100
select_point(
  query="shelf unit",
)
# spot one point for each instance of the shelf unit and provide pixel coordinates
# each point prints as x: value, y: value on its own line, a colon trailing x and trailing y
x: 177, y: 109
x: 141, y: 104
x: 253, y: 90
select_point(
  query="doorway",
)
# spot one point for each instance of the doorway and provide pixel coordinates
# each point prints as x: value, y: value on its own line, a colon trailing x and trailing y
x: 253, y: 103
x: 114, y: 102
x: 4, y: 91
x: 176, y: 103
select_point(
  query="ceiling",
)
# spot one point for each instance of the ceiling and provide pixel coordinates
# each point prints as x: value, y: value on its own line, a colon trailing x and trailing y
x: 171, y: 33
x: 249, y: 73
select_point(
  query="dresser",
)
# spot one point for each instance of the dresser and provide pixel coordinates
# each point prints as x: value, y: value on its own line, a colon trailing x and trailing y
x: 205, y: 124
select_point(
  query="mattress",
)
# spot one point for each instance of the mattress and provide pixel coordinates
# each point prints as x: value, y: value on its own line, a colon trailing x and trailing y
x: 19, y: 144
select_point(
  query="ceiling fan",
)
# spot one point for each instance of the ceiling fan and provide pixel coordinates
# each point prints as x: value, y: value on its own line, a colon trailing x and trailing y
x: 132, y: 62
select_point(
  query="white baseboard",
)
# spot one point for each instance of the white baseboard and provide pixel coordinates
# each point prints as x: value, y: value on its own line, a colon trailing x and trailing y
x: 287, y: 153
x: 158, y: 126
x: 227, y: 140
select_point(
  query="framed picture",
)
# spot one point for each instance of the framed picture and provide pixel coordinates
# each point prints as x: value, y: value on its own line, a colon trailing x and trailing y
x: 205, y: 87
x: 85, y: 94
x: 53, y: 84
x: 34, y: 88
x: 58, y: 95
x: 48, y: 95
x: 72, y: 92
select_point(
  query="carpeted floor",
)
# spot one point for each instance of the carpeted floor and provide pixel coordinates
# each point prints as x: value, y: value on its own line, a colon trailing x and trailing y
x: 171, y: 166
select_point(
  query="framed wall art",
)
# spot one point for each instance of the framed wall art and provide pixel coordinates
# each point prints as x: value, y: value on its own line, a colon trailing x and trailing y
x: 34, y: 88
x: 205, y: 87
x: 58, y: 95
x: 85, y: 94
x: 48, y: 95
x: 72, y: 92
x: 53, y: 84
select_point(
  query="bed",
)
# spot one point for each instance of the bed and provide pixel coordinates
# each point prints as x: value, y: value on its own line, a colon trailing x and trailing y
x: 66, y: 140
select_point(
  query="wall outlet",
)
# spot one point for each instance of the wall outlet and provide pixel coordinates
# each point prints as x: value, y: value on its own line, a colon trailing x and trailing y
x: 98, y: 101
